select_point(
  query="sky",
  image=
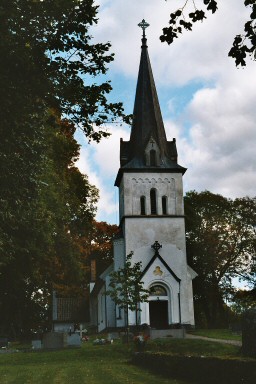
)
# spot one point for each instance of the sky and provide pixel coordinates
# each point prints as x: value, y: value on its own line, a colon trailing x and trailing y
x: 207, y: 103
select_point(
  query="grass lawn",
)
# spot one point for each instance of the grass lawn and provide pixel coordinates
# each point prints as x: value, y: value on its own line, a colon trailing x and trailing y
x: 106, y: 364
x: 225, y: 334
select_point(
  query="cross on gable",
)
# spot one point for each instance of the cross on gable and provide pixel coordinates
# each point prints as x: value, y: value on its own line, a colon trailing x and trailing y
x: 152, y: 142
x: 143, y: 25
x: 156, y: 246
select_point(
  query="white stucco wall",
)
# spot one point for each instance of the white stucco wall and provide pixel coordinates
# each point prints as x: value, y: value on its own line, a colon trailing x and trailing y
x: 119, y: 253
x: 145, y: 230
x: 176, y: 260
x: 135, y: 185
x: 140, y: 233
x: 106, y: 310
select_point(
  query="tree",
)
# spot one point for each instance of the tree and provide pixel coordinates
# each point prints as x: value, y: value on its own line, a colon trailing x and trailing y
x: 48, y: 59
x: 244, y: 45
x: 243, y: 300
x: 41, y: 228
x: 48, y: 89
x: 69, y: 202
x: 101, y: 249
x: 126, y: 288
x: 220, y: 246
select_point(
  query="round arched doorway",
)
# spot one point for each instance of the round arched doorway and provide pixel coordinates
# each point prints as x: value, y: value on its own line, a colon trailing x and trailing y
x: 158, y: 306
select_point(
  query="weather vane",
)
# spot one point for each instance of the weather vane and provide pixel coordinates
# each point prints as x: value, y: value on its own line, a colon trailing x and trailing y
x: 143, y: 25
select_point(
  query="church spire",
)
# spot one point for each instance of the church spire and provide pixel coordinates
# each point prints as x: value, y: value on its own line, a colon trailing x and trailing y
x: 148, y: 127
x: 148, y: 122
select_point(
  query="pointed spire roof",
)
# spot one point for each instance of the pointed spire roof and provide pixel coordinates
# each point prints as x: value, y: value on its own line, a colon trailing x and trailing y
x: 147, y: 123
x: 147, y: 117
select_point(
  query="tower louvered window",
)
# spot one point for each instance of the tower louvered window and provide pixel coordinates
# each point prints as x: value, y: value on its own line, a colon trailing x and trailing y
x: 153, y: 202
x: 164, y: 205
x: 142, y: 205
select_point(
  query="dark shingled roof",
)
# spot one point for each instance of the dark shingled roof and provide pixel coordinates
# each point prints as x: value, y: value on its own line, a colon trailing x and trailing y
x: 147, y: 124
x: 148, y: 120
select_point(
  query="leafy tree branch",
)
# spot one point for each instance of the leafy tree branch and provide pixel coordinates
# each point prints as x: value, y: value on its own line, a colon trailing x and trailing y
x: 126, y: 287
x: 244, y: 44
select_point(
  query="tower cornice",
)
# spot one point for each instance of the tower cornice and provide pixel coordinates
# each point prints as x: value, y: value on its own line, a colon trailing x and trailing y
x: 177, y: 169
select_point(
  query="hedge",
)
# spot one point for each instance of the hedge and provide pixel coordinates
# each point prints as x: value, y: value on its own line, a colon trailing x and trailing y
x: 210, y: 370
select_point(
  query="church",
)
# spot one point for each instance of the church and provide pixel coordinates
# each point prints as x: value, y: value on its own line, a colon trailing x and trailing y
x: 152, y: 222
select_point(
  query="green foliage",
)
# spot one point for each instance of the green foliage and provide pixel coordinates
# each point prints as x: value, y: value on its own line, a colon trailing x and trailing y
x: 48, y: 89
x: 244, y: 45
x: 220, y: 246
x: 47, y: 53
x: 126, y: 287
x: 243, y: 300
x: 178, y: 21
x: 47, y: 208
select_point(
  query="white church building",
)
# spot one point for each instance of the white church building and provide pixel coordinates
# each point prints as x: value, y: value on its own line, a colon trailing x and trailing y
x: 152, y: 222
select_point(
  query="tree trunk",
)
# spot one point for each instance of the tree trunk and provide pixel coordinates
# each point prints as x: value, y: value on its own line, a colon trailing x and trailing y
x: 127, y: 324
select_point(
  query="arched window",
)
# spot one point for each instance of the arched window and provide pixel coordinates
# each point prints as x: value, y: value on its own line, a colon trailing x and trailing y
x: 152, y: 155
x: 164, y: 205
x: 158, y: 290
x: 153, y: 202
x: 142, y: 205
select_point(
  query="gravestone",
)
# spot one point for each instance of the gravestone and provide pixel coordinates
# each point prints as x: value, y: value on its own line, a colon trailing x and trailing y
x: 249, y: 333
x: 36, y: 344
x: 113, y: 336
x: 3, y: 342
x: 74, y: 340
x: 54, y: 340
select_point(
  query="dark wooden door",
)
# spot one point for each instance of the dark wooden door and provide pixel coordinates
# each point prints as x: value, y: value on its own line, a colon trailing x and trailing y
x: 158, y: 312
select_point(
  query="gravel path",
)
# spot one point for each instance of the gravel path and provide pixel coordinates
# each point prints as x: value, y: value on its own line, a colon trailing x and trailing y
x: 223, y: 341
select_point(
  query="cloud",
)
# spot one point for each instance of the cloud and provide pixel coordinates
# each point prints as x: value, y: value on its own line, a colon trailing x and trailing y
x: 220, y: 148
x: 107, y: 205
x: 216, y: 134
x: 100, y: 162
x: 198, y: 54
x: 106, y: 153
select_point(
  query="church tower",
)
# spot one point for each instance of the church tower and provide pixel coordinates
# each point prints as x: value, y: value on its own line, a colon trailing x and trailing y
x: 151, y: 213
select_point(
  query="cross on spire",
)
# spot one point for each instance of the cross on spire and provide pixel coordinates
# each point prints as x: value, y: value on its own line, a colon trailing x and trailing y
x: 156, y: 246
x: 143, y: 25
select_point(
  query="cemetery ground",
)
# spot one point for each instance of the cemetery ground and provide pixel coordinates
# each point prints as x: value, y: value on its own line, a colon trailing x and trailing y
x: 116, y: 363
x: 90, y: 364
